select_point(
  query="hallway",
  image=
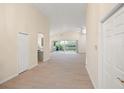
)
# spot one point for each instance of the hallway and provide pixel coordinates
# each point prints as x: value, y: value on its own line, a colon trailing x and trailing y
x: 65, y: 71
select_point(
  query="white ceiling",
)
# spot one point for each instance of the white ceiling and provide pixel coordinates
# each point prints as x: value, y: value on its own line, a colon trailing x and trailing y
x: 64, y: 16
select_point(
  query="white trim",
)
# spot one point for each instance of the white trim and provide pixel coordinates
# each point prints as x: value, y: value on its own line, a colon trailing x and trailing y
x: 11, y: 77
x: 86, y: 59
x: 100, y: 44
x: 8, y: 78
x: 100, y: 56
x: 114, y: 9
x: 30, y: 67
x: 90, y: 77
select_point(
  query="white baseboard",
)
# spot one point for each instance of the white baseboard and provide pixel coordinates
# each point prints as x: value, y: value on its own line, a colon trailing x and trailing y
x: 2, y: 81
x: 32, y: 66
x: 90, y: 77
x: 8, y: 78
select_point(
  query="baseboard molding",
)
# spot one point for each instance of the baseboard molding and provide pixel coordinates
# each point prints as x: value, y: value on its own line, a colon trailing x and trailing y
x: 2, y: 81
x: 32, y: 66
x: 90, y: 77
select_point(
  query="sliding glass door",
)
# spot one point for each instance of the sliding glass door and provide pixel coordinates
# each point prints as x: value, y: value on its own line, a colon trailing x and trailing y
x: 66, y: 45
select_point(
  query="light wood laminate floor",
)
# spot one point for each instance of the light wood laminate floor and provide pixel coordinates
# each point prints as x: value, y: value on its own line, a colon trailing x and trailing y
x: 62, y: 71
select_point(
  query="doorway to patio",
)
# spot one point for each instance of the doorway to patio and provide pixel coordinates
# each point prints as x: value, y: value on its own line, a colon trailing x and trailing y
x: 70, y: 46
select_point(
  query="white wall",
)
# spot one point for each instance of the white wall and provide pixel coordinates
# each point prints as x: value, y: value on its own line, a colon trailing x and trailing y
x: 15, y: 18
x: 94, y: 14
x: 71, y: 35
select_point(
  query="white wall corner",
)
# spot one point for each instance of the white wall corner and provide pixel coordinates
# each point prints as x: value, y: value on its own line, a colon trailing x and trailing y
x: 89, y: 73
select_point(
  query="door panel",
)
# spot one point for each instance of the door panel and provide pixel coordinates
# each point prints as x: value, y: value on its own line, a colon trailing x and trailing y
x: 23, y: 52
x: 113, y: 60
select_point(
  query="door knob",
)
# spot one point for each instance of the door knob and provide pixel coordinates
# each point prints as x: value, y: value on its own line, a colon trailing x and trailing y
x: 122, y: 81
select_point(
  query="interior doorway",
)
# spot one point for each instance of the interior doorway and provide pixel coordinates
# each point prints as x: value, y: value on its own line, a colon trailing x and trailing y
x: 40, y: 49
x: 23, y: 52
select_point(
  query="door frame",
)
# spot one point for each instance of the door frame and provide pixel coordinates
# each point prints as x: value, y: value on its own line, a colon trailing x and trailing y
x: 101, y: 43
x: 23, y: 33
x: 42, y: 44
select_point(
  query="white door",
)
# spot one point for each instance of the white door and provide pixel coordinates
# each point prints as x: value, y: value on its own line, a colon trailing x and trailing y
x: 23, y: 51
x: 113, y: 50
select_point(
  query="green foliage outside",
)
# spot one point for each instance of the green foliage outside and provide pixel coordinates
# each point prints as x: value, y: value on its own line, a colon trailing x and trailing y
x: 65, y: 45
x: 59, y: 47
